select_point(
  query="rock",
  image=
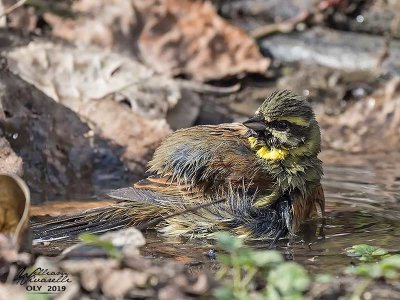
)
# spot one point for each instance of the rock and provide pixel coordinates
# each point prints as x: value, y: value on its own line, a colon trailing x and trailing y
x: 75, y: 267
x: 117, y: 283
x: 72, y: 292
x: 377, y: 17
x: 125, y: 237
x: 335, y: 49
x: 8, y: 291
x: 171, y: 292
x: 345, y: 285
x: 59, y: 154
x: 89, y: 279
x: 250, y: 14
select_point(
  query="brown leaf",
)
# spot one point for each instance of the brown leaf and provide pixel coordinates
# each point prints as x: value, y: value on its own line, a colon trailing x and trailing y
x: 14, y: 210
x: 173, y: 36
x: 104, y: 23
x: 188, y: 37
x: 73, y: 75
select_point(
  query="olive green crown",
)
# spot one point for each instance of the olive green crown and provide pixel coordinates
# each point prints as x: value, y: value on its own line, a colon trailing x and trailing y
x: 285, y: 103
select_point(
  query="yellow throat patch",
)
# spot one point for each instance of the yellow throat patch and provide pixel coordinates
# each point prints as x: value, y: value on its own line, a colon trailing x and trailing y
x: 265, y: 153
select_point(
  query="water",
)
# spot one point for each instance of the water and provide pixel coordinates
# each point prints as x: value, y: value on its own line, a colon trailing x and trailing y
x: 362, y: 207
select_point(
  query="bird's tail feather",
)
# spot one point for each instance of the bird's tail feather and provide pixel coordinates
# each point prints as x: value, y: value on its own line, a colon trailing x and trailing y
x: 97, y: 220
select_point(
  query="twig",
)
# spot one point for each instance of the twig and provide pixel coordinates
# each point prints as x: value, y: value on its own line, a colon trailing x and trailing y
x: 207, y: 88
x: 283, y: 27
x: 13, y: 7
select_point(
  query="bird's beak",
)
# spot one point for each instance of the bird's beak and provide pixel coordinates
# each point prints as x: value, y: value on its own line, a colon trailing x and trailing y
x: 257, y: 123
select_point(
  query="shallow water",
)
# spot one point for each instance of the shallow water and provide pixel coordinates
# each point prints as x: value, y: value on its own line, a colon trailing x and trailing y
x: 362, y: 207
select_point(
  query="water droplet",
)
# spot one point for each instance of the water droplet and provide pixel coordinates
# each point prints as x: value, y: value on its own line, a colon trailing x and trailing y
x: 360, y: 18
x: 371, y: 103
x: 359, y: 92
x: 15, y: 136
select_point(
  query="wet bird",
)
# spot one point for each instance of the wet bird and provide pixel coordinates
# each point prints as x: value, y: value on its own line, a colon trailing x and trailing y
x: 258, y: 179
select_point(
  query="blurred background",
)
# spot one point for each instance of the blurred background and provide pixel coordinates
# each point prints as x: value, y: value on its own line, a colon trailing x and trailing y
x: 88, y: 89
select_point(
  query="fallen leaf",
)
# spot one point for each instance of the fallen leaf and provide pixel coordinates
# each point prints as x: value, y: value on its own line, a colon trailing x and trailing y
x: 72, y: 75
x: 173, y: 36
x: 188, y: 37
x: 14, y: 210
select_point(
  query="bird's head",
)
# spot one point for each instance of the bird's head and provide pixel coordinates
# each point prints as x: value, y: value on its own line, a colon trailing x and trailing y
x: 284, y: 125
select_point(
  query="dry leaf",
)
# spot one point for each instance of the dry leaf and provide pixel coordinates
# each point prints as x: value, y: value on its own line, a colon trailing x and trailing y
x: 106, y: 23
x: 173, y: 36
x: 14, y: 210
x: 75, y: 75
x: 188, y: 37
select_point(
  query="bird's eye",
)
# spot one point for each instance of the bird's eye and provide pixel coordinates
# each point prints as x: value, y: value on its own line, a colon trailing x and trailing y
x: 281, y: 125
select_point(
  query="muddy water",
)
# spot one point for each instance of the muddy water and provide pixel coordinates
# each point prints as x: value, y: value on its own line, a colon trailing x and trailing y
x: 362, y: 206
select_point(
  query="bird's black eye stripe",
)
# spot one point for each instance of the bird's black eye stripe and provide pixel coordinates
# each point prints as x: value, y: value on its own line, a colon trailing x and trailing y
x: 281, y: 125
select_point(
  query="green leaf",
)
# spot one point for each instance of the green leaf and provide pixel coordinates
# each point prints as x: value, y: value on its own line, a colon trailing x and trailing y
x: 265, y: 258
x: 35, y: 296
x: 388, y: 267
x: 361, y: 249
x: 224, y: 293
x: 244, y: 258
x: 228, y: 242
x: 393, y: 261
x: 224, y: 259
x: 272, y: 293
x: 379, y: 252
x: 92, y: 239
x: 366, y: 252
x: 324, y: 278
x: 289, y: 278
x: 366, y: 270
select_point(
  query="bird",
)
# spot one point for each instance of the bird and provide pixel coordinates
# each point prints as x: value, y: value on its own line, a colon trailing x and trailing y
x: 258, y: 179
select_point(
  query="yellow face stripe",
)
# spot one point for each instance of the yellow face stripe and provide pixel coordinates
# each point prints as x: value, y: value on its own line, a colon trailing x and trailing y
x: 265, y: 153
x: 272, y: 154
x: 295, y: 120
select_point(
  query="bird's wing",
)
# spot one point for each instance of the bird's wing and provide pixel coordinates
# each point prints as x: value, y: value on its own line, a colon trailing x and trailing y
x: 204, y: 160
x: 207, y: 155
x: 209, y: 158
